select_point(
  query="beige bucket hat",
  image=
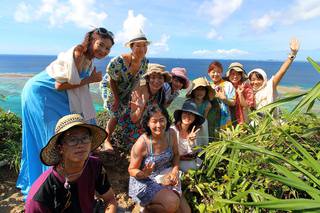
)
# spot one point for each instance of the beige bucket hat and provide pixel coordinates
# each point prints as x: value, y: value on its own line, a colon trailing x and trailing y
x: 157, y: 68
x: 238, y: 67
x: 50, y: 154
x: 201, y: 82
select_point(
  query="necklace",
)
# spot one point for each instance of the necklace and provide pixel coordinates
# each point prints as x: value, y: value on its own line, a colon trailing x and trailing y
x: 67, y: 177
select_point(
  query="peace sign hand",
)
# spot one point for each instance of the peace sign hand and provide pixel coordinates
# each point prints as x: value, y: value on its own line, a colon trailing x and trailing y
x: 148, y: 168
x: 192, y: 135
x: 240, y: 89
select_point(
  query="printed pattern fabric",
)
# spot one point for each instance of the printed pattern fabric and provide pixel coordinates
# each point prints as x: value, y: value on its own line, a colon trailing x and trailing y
x: 120, y: 73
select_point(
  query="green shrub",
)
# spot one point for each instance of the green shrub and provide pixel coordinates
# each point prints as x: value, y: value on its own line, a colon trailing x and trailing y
x: 10, y: 139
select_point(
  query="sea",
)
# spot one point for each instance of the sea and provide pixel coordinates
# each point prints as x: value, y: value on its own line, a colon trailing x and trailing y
x: 15, y: 70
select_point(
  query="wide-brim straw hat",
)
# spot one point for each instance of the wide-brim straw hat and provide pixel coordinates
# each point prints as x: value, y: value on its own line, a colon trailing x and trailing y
x: 200, y: 82
x: 238, y: 67
x: 50, y: 154
x: 181, y: 73
x: 189, y: 106
x: 157, y: 68
x: 137, y: 37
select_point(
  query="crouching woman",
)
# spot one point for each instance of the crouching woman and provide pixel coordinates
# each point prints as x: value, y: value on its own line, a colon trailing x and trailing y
x: 154, y: 165
x: 70, y: 185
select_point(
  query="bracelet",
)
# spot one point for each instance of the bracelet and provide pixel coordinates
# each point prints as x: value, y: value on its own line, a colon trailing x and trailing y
x: 291, y: 56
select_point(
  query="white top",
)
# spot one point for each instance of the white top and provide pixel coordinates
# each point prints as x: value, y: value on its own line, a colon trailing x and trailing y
x: 266, y: 95
x: 64, y: 69
x: 183, y: 144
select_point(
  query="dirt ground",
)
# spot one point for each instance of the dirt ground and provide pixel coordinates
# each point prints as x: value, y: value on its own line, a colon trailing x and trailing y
x: 117, y: 167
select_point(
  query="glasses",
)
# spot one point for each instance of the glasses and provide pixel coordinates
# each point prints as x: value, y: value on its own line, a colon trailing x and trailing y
x: 73, y: 141
x: 104, y: 32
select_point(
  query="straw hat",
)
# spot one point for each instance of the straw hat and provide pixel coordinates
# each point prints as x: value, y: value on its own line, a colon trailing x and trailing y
x: 50, y: 154
x: 157, y: 68
x: 236, y: 66
x: 181, y: 73
x: 201, y: 82
x: 138, y: 36
x: 189, y: 106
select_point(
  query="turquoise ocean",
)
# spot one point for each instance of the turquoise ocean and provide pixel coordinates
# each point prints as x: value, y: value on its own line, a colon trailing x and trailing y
x: 15, y: 70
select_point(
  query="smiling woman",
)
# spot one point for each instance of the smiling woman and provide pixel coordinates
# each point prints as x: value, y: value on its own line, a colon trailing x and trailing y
x: 62, y: 88
x: 148, y: 91
x: 71, y: 183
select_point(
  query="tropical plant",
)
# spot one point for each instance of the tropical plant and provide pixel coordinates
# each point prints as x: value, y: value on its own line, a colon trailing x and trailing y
x: 10, y: 139
x: 269, y: 164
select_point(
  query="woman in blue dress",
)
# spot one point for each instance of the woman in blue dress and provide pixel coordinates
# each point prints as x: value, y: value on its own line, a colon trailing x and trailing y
x: 61, y: 89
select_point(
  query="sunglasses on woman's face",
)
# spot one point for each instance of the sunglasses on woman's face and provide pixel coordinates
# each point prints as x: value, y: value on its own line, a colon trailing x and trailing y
x: 104, y: 32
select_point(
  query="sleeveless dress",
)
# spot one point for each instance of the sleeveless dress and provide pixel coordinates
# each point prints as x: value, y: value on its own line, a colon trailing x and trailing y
x: 42, y: 107
x: 143, y: 191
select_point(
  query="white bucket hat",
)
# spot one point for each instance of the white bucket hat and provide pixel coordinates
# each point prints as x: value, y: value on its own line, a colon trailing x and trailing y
x: 137, y: 37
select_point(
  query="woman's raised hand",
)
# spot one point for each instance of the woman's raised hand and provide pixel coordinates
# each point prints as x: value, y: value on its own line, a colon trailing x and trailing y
x: 193, y: 134
x: 240, y: 89
x: 148, y: 168
x: 137, y: 101
x: 294, y: 46
x: 95, y: 76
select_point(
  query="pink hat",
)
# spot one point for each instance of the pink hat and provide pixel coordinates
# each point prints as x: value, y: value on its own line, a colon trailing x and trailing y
x: 181, y: 73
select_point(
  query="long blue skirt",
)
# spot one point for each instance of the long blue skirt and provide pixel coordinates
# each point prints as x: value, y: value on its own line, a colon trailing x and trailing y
x: 42, y: 107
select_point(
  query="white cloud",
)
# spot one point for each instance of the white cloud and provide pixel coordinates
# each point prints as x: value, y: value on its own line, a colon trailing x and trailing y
x: 160, y: 46
x: 300, y: 10
x: 220, y: 52
x: 218, y: 11
x: 82, y: 13
x: 213, y: 34
x: 130, y: 26
x: 22, y: 13
x: 266, y: 21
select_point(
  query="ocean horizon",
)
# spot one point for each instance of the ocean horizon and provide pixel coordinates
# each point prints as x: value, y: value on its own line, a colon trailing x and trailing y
x: 15, y: 70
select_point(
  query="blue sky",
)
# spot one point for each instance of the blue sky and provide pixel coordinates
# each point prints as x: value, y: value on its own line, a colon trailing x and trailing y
x: 220, y: 29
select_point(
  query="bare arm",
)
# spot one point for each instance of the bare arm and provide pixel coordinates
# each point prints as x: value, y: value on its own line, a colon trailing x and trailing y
x: 110, y: 201
x: 94, y: 77
x: 176, y: 157
x: 138, y: 151
x: 294, y: 46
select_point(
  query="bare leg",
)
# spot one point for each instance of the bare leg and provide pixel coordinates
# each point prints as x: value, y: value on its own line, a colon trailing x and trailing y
x: 184, y: 206
x: 164, y: 201
x: 111, y: 125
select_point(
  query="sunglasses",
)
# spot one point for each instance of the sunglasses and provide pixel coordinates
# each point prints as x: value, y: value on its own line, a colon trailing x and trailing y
x: 73, y: 141
x: 104, y: 32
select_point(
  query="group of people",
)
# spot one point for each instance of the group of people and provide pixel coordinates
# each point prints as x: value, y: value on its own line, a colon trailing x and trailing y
x: 59, y: 124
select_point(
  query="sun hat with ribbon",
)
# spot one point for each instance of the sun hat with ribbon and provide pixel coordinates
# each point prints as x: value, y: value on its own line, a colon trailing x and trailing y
x: 137, y: 37
x: 189, y: 106
x: 157, y: 68
x: 200, y: 82
x: 50, y: 154
x: 181, y: 73
x: 238, y: 67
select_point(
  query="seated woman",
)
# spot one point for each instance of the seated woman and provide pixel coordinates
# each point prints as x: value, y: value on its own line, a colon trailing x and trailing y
x: 148, y: 91
x: 265, y: 90
x: 187, y: 122
x: 154, y: 154
x: 244, y: 94
x: 70, y: 185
